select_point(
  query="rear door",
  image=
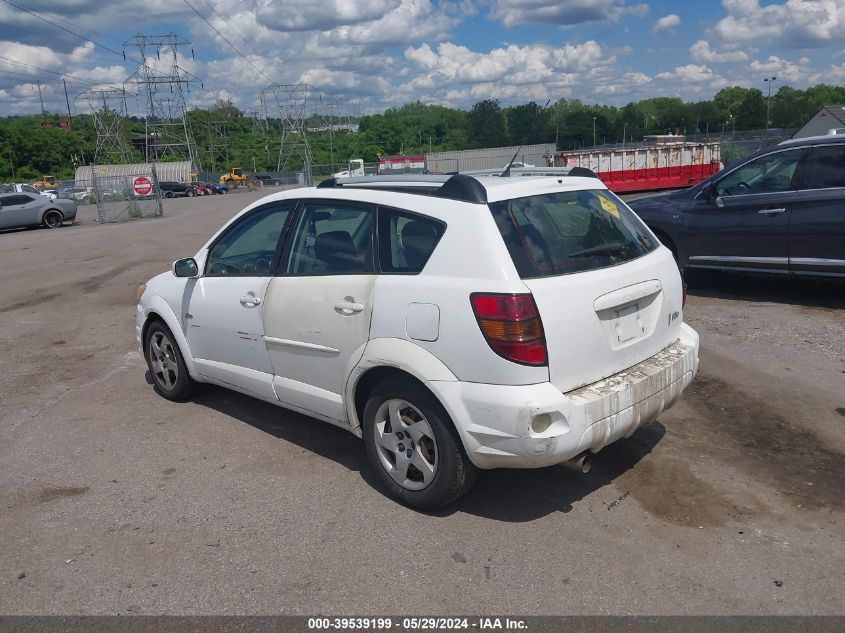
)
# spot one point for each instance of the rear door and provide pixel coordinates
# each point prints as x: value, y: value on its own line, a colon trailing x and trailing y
x: 224, y: 307
x: 608, y: 296
x: 746, y: 225
x: 817, y: 221
x: 317, y: 312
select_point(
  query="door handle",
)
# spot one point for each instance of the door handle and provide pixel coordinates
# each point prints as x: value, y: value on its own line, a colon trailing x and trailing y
x: 771, y: 211
x: 250, y: 301
x: 348, y: 308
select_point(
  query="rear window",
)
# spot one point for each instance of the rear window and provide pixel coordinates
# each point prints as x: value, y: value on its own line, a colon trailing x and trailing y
x: 570, y: 232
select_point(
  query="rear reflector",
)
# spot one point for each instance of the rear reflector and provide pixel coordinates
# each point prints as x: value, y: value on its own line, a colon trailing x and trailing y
x: 512, y: 327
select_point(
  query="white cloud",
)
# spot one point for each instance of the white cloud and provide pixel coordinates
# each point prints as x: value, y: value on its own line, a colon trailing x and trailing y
x: 510, y: 65
x: 667, y: 23
x: 565, y: 12
x: 701, y: 52
x: 794, y: 23
x: 690, y: 73
x: 774, y: 66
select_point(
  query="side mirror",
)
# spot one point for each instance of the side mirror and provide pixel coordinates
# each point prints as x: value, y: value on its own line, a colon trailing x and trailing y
x: 186, y: 267
x: 710, y: 193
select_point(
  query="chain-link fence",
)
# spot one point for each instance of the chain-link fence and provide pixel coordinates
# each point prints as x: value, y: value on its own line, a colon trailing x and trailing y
x: 126, y: 197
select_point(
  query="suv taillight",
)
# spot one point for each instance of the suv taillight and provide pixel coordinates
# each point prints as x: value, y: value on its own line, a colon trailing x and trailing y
x: 511, y: 324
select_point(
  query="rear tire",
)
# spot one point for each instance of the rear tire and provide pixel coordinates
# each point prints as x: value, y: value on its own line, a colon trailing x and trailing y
x: 413, y: 447
x: 167, y: 366
x: 53, y: 219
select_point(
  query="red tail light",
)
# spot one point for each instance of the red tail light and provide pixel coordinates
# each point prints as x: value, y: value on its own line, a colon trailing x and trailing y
x: 512, y: 327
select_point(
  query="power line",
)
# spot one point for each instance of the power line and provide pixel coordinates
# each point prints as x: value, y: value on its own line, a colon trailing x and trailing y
x: 59, y: 26
x: 7, y: 60
x: 223, y: 37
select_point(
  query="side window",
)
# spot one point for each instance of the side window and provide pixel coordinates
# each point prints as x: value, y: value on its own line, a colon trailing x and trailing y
x: 249, y: 247
x: 406, y: 240
x: 828, y: 168
x: 15, y: 200
x: 332, y: 239
x: 767, y: 174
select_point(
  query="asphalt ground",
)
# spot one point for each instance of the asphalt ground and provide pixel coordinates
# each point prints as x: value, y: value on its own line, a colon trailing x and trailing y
x: 116, y: 501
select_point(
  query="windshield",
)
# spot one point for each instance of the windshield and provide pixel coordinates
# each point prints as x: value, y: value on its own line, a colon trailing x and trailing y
x: 568, y: 232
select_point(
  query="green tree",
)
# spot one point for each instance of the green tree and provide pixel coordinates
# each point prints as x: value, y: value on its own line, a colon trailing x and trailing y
x: 487, y: 125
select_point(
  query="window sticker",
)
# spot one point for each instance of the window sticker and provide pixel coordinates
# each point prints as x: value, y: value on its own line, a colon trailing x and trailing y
x: 609, y: 206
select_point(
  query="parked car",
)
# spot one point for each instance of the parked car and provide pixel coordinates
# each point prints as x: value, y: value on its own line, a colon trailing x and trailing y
x: 515, y: 323
x: 80, y: 194
x: 33, y: 209
x: 176, y: 189
x: 216, y: 188
x: 779, y: 211
x: 268, y: 180
x: 202, y: 189
x: 23, y: 187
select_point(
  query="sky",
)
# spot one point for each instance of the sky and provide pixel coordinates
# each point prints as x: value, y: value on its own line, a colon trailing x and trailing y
x: 368, y: 55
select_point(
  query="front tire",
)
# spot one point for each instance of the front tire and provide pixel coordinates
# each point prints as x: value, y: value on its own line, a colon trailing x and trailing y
x: 53, y: 219
x: 413, y: 447
x: 167, y: 366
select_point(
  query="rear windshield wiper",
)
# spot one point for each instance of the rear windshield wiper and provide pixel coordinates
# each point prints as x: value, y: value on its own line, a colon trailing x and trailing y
x: 602, y: 249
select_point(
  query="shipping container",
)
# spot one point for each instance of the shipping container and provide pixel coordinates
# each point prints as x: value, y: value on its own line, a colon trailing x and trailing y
x: 487, y: 158
x: 646, y: 168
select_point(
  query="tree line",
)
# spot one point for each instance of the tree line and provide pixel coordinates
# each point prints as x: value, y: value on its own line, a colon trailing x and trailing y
x: 226, y: 137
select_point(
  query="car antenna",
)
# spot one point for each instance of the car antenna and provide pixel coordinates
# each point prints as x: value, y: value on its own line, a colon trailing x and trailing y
x: 507, y: 171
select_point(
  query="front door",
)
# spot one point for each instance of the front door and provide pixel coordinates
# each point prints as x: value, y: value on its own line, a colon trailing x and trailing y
x: 317, y: 312
x: 817, y: 221
x: 20, y: 209
x: 745, y: 223
x: 224, y: 307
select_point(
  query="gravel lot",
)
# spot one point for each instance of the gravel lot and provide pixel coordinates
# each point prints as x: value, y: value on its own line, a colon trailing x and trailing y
x: 116, y: 501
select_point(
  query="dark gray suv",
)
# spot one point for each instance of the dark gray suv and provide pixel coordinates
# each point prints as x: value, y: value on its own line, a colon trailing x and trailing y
x: 780, y: 210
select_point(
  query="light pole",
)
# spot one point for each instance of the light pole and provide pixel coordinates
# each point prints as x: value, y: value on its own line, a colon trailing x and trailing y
x: 624, y: 128
x: 253, y: 165
x: 769, y: 81
x: 594, y: 131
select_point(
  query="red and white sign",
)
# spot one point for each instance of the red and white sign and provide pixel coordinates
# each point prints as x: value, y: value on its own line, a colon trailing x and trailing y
x: 142, y: 186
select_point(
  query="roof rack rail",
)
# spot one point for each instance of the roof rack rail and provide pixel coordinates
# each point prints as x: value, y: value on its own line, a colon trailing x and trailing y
x: 582, y: 172
x: 463, y: 186
x: 451, y: 186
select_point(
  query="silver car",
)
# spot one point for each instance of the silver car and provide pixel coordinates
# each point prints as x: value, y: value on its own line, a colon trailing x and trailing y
x: 33, y: 209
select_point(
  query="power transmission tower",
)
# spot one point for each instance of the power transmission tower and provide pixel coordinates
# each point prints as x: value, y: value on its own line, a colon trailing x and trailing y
x: 292, y: 102
x: 108, y: 108
x: 162, y: 82
x: 218, y: 146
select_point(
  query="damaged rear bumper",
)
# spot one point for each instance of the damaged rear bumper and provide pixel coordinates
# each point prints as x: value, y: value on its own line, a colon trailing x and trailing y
x: 532, y: 426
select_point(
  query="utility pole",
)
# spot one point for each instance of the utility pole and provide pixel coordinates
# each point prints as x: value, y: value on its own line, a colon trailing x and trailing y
x: 769, y: 81
x: 594, y: 131
x: 43, y: 112
x: 69, y: 118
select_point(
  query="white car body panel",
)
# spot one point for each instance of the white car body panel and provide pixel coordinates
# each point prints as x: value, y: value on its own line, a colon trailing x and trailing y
x: 297, y: 350
x: 314, y: 327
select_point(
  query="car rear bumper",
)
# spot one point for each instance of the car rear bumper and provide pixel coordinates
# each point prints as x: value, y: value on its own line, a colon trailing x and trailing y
x: 499, y: 424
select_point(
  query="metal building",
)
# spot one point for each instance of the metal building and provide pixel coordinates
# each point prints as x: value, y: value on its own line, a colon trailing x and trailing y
x: 488, y: 158
x: 179, y: 171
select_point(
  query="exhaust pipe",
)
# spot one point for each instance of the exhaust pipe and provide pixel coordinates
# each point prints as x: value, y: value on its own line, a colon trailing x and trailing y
x: 580, y: 463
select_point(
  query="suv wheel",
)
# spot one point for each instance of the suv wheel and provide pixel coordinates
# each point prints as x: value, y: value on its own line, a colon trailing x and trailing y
x: 414, y: 448
x: 170, y: 375
x: 53, y: 219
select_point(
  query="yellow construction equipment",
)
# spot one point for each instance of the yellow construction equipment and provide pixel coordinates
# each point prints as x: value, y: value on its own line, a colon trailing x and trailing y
x: 234, y: 177
x: 47, y: 182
